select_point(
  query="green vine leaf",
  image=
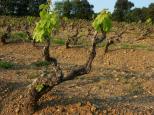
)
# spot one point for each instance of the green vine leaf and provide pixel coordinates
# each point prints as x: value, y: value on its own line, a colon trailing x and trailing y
x: 103, y: 22
x: 149, y: 21
x: 30, y: 20
x: 39, y: 88
x: 49, y: 21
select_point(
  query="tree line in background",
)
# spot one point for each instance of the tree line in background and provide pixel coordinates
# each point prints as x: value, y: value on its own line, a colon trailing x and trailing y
x: 20, y: 7
x: 80, y: 9
x: 124, y: 10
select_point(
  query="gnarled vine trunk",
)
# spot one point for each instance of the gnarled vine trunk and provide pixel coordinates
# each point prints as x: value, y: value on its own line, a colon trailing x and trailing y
x: 6, y: 35
x: 29, y: 34
x: 113, y: 40
x: 46, y: 53
x: 73, y: 38
x: 49, y: 81
x: 30, y: 38
x: 3, y: 38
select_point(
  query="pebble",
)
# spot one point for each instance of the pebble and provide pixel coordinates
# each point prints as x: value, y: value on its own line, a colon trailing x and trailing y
x: 104, y: 111
x: 93, y: 109
x: 117, y: 79
x: 125, y: 52
x: 79, y: 104
x: 132, y: 50
x: 17, y: 110
x: 20, y: 96
x: 135, y: 96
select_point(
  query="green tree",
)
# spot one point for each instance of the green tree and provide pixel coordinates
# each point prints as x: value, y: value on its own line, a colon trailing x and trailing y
x: 140, y: 14
x: 135, y: 15
x: 64, y: 8
x: 151, y: 11
x: 80, y: 9
x: 122, y: 7
x: 20, y: 7
x: 33, y: 6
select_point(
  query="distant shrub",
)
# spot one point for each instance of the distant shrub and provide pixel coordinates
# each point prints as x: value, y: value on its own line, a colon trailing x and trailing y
x: 58, y: 41
x: 19, y: 36
x: 40, y: 63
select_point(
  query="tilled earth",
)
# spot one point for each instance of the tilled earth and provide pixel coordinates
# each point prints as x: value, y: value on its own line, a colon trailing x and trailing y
x: 121, y: 82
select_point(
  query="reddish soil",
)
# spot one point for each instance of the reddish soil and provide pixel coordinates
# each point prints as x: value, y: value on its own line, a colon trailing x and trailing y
x: 121, y: 82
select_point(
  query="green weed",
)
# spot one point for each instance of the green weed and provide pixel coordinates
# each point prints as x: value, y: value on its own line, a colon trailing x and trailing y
x: 6, y: 65
x: 40, y: 63
x: 58, y: 41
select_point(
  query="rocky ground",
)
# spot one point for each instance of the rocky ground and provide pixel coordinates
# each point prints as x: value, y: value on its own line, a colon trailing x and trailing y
x: 121, y: 82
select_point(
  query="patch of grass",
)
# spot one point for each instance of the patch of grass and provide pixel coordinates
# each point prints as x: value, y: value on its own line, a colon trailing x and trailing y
x: 140, y: 46
x: 103, y: 44
x: 6, y: 65
x: 19, y: 36
x: 125, y: 46
x: 58, y: 41
x: 33, y: 75
x: 40, y: 63
x: 137, y: 46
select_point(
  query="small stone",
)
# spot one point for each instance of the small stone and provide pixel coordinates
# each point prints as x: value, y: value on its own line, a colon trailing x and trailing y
x: 135, y: 96
x: 131, y: 68
x: 117, y: 79
x: 17, y: 110
x: 132, y: 50
x: 88, y: 103
x: 104, y: 111
x: 20, y: 96
x: 125, y: 52
x: 79, y: 104
x: 93, y: 109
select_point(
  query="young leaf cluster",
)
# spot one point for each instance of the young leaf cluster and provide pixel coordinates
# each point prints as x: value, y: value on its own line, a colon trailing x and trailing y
x: 30, y: 20
x: 39, y: 87
x: 149, y: 21
x: 49, y: 21
x: 103, y: 22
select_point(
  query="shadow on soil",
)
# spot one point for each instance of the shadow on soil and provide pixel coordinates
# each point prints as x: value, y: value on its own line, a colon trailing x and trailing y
x: 7, y: 87
x: 141, y: 103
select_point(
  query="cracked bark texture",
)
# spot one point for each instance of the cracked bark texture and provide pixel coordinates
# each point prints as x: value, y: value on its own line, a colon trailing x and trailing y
x: 6, y: 35
x: 57, y: 77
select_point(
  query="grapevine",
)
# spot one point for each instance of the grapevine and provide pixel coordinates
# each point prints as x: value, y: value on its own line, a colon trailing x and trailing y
x: 49, y: 21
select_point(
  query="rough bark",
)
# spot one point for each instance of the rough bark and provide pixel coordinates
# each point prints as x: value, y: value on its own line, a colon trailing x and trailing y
x: 74, y: 38
x: 48, y: 83
x: 6, y: 35
x: 29, y: 35
x: 57, y: 77
x: 110, y: 42
x: 46, y: 53
x: 30, y: 38
x: 113, y: 39
x: 144, y: 34
x: 3, y: 38
x: 67, y: 43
